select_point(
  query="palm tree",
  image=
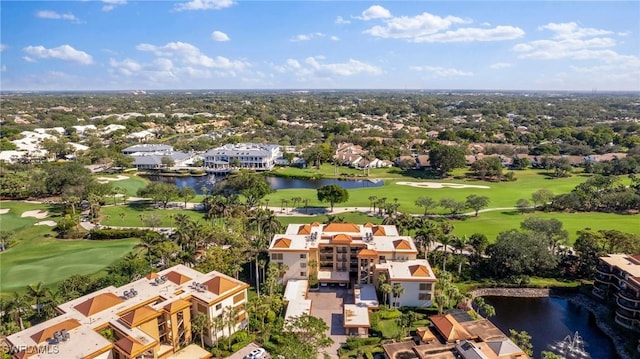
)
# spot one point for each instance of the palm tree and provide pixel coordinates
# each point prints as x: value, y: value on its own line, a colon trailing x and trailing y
x: 296, y: 201
x: 229, y: 316
x: 18, y: 305
x: 217, y: 324
x: 148, y: 243
x: 306, y: 204
x: 122, y: 215
x: 372, y: 201
x: 386, y: 289
x: 445, y: 240
x: 397, y: 291
x: 199, y: 324
x: 50, y: 302
x: 37, y: 292
x: 460, y: 243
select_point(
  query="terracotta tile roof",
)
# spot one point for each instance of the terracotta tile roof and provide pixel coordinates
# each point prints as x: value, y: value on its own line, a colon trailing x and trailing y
x: 367, y: 253
x: 219, y: 285
x: 177, y: 278
x: 315, y: 224
x: 419, y: 270
x: 368, y: 225
x: 635, y: 258
x: 378, y: 231
x: 47, y: 333
x: 449, y: 327
x: 176, y: 305
x: 341, y: 238
x: 152, y: 275
x: 401, y: 244
x: 139, y: 316
x: 282, y: 243
x: 341, y: 227
x: 98, y: 303
x: 304, y: 229
x: 425, y: 334
x: 129, y: 345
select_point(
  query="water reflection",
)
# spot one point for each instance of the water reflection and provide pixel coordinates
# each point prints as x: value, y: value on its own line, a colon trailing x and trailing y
x: 549, y: 320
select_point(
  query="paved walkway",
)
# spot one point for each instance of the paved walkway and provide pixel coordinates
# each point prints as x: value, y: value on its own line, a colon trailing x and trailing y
x: 327, y: 304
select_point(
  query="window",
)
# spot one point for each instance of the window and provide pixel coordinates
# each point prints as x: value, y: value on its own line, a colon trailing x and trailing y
x: 424, y: 296
x: 276, y: 256
x: 303, y: 274
x: 303, y: 265
x: 218, y: 306
x: 303, y: 256
x: 425, y: 286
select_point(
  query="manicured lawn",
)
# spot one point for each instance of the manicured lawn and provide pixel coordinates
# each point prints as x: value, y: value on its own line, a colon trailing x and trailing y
x: 134, y: 211
x: 501, y: 194
x: 492, y: 223
x: 131, y: 184
x: 39, y: 257
x: 389, y: 328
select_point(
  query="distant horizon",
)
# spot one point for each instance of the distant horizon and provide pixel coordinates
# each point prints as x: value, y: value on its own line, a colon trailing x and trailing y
x: 110, y: 45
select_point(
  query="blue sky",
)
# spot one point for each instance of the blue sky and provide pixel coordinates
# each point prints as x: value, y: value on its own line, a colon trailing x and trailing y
x: 230, y: 44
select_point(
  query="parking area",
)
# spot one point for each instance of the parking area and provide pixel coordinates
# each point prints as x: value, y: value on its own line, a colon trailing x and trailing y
x: 242, y: 353
x: 327, y: 304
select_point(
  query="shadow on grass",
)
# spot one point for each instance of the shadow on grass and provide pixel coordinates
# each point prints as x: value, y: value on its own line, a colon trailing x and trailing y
x: 512, y: 213
x: 418, y: 174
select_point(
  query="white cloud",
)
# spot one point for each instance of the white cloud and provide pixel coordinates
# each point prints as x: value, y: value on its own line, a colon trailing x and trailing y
x: 3, y: 47
x: 340, y: 21
x: 428, y: 27
x: 441, y: 71
x: 111, y: 4
x: 307, y: 37
x: 28, y: 59
x: 3, y: 68
x: 126, y: 67
x: 500, y: 65
x: 334, y: 38
x: 375, y: 12
x: 219, y: 36
x: 349, y: 68
x: 204, y: 5
x: 569, y: 41
x: 49, y: 14
x: 191, y: 55
x: 63, y: 52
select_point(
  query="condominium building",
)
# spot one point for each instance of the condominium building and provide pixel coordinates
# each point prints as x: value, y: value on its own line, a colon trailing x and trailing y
x: 149, y: 318
x: 251, y: 156
x: 347, y: 253
x: 618, y: 278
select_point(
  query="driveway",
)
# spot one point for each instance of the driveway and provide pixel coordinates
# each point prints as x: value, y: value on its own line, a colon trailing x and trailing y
x: 327, y: 305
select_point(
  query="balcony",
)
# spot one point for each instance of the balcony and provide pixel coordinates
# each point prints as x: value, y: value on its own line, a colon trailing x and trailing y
x: 627, y: 323
x: 627, y: 304
x: 601, y: 286
x: 603, y: 269
x: 602, y: 277
x: 629, y: 295
x: 627, y: 314
x: 599, y: 293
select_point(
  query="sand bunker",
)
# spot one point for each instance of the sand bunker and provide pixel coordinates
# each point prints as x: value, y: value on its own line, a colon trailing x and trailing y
x: 112, y: 179
x: 46, y: 223
x: 4, y: 210
x: 440, y: 185
x: 37, y: 214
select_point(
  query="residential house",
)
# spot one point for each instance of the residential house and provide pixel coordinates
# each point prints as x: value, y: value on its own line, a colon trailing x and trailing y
x: 150, y: 317
x: 251, y: 156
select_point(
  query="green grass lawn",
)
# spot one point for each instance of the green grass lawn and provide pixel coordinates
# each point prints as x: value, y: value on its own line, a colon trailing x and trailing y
x: 133, y: 211
x: 352, y: 217
x: 38, y: 256
x: 492, y: 223
x: 501, y: 194
x: 131, y: 184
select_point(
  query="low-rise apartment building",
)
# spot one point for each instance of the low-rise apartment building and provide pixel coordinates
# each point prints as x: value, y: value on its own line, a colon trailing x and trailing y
x: 250, y: 156
x: 618, y: 278
x: 149, y: 318
x: 347, y: 253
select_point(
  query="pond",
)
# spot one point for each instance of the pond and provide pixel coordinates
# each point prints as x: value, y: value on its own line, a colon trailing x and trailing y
x: 550, y: 320
x: 275, y: 182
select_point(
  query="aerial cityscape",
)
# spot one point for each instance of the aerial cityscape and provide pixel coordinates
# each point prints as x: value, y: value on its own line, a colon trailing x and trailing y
x: 308, y: 179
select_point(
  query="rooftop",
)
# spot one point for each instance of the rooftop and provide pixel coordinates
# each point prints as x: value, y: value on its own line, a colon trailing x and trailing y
x: 628, y: 263
x: 296, y: 295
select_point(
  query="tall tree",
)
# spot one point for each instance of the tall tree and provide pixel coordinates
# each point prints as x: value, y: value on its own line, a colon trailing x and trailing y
x: 333, y: 194
x: 427, y: 203
x: 446, y: 158
x: 477, y: 203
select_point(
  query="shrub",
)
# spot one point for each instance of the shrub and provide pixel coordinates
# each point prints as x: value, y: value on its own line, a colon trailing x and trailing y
x: 107, y: 233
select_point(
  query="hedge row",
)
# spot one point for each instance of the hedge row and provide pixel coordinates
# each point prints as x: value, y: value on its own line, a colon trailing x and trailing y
x: 107, y: 233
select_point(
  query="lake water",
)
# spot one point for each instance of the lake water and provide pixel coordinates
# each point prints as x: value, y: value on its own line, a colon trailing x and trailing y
x: 549, y: 320
x: 275, y: 182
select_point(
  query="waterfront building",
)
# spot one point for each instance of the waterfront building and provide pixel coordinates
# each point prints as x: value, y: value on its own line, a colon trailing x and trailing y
x: 250, y: 156
x: 618, y: 278
x: 150, y: 317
